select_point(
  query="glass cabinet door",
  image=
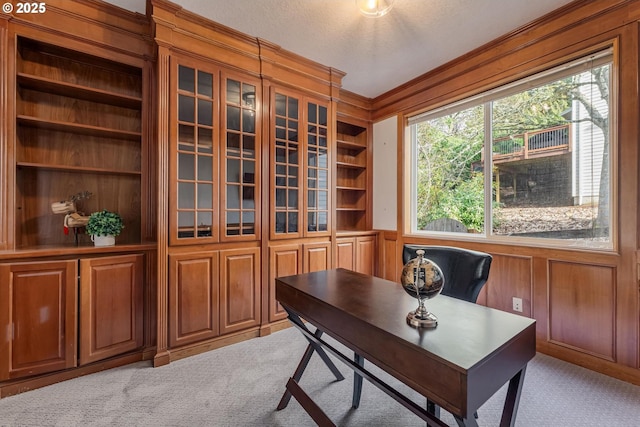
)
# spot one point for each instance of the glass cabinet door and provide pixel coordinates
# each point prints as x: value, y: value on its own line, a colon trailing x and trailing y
x: 194, y: 168
x: 240, y: 163
x: 286, y: 162
x: 317, y: 168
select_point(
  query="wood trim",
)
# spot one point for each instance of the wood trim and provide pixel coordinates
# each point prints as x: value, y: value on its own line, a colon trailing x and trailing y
x: 163, y: 119
x: 561, y: 30
x: 128, y: 40
x: 7, y: 114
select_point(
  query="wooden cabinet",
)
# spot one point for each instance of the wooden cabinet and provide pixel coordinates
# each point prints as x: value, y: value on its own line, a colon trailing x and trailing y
x: 287, y: 259
x: 193, y: 297
x: 239, y: 289
x: 212, y: 293
x: 111, y: 306
x: 38, y: 307
x: 78, y: 128
x: 215, y: 173
x: 300, y: 155
x: 352, y: 181
x: 284, y: 260
x: 357, y: 253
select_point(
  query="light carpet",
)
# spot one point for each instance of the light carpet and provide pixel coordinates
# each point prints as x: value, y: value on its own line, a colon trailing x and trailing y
x: 241, y: 385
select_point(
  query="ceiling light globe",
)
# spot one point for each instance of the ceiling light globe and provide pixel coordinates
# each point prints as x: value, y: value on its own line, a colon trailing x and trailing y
x: 374, y: 8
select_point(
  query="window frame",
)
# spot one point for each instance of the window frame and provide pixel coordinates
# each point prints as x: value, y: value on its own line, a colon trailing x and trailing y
x: 581, y: 61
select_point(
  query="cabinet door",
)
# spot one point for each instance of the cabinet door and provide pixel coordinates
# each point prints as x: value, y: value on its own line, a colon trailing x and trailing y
x: 38, y: 308
x: 317, y: 256
x: 317, y: 199
x: 194, y: 144
x: 111, y: 306
x: 284, y: 260
x: 346, y: 253
x: 239, y: 289
x: 193, y: 297
x: 240, y: 165
x: 366, y: 255
x: 286, y: 151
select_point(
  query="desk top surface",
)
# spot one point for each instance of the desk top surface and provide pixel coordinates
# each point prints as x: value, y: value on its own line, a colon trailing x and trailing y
x: 466, y: 334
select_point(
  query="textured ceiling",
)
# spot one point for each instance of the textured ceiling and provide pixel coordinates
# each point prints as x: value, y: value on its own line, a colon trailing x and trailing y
x: 377, y: 54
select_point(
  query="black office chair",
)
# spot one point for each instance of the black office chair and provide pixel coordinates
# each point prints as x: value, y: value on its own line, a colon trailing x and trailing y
x: 465, y: 273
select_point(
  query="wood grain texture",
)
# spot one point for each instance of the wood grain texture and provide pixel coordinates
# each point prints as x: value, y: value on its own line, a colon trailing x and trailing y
x: 39, y: 312
x: 510, y: 277
x: 111, y: 318
x: 316, y: 256
x: 194, y: 297
x: 582, y: 307
x: 284, y: 260
x: 239, y: 289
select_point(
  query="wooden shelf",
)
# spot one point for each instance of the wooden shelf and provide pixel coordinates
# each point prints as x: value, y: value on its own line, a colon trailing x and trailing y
x: 352, y: 193
x: 44, y: 84
x: 350, y: 145
x: 345, y: 188
x: 77, y: 169
x: 351, y: 165
x: 78, y: 128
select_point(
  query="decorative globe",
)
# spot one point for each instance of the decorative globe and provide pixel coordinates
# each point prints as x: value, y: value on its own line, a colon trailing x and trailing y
x: 422, y: 279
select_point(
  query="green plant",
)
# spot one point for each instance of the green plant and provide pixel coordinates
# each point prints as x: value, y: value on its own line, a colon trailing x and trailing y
x: 104, y: 223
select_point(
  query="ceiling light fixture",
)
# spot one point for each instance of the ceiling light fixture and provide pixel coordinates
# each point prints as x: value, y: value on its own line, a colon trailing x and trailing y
x: 374, y: 8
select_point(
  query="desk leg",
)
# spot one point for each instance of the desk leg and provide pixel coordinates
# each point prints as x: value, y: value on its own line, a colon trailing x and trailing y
x: 313, y: 346
x: 357, y: 381
x: 513, y: 399
x: 432, y: 408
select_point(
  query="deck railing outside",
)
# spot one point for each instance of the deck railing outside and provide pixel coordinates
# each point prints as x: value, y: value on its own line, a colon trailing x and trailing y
x: 555, y: 138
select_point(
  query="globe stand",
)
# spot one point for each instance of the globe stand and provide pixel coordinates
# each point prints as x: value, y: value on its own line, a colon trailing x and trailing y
x: 421, y: 318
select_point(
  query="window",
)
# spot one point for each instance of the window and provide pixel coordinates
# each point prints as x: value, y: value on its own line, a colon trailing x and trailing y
x: 545, y: 173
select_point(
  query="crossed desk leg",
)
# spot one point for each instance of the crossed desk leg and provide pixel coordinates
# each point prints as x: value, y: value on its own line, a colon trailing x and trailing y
x: 316, y: 344
x: 313, y: 346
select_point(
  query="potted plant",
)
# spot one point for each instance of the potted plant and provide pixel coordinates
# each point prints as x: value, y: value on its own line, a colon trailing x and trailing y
x: 103, y: 227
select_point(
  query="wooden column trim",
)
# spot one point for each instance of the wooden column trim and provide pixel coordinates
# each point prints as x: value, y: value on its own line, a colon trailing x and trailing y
x: 5, y: 130
x: 162, y: 356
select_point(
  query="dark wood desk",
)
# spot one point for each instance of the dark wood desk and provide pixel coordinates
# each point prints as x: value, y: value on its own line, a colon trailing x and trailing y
x: 462, y: 362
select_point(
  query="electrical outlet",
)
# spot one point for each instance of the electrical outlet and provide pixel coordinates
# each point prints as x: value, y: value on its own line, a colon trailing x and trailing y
x: 517, y: 304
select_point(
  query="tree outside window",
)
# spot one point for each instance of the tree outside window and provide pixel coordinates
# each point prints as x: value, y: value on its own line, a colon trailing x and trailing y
x: 549, y: 160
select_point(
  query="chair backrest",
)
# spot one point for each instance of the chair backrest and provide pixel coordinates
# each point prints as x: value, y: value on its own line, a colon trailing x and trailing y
x: 465, y: 271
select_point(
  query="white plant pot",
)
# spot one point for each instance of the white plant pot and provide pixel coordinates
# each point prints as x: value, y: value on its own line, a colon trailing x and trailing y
x: 103, y: 240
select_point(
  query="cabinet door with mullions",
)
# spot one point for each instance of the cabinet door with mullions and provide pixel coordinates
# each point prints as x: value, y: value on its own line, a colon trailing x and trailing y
x: 300, y: 159
x: 317, y: 168
x: 286, y: 166
x: 240, y: 159
x: 194, y: 169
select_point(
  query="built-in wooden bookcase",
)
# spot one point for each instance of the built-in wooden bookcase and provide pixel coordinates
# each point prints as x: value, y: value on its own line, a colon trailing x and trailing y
x: 351, y: 182
x: 78, y: 128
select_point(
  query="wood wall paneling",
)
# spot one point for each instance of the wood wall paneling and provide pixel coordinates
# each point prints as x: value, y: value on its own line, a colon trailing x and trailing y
x: 510, y: 276
x: 582, y: 307
x: 391, y: 257
x: 366, y: 259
